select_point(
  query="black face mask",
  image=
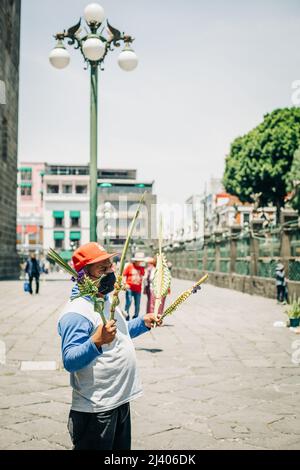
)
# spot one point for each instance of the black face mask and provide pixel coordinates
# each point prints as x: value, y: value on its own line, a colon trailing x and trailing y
x: 107, y: 284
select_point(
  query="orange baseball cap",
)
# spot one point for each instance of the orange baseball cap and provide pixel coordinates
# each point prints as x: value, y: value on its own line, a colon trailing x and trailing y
x: 88, y: 254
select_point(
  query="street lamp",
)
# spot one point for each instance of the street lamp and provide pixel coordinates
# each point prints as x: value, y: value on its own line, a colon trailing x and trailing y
x: 94, y: 47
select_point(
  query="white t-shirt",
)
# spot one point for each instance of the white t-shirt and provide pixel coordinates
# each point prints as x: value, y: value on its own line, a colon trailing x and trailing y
x: 111, y: 379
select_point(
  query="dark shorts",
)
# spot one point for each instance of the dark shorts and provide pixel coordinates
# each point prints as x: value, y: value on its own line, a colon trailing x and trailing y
x: 108, y: 430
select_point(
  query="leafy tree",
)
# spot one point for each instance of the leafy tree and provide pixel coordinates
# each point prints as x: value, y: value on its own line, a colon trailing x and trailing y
x: 258, y: 165
x: 293, y: 184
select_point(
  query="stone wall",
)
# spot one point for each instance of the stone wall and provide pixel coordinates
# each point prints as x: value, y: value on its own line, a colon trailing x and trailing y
x: 10, y: 12
x: 249, y: 284
x: 244, y: 259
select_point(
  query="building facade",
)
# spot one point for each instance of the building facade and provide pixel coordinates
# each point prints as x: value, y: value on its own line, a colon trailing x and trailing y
x: 200, y: 210
x: 10, y: 14
x: 65, y: 210
x: 66, y: 202
x: 30, y: 223
x: 118, y: 199
x: 217, y: 211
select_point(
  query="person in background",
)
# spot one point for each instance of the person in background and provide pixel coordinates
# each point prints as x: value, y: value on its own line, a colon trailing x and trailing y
x: 133, y: 279
x: 149, y: 274
x: 281, y: 284
x: 116, y: 263
x: 33, y: 270
x: 148, y: 287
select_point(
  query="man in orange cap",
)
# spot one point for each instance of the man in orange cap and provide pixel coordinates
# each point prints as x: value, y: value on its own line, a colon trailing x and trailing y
x: 101, y: 359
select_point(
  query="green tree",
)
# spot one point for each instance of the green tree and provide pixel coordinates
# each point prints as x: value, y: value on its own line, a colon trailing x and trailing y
x: 259, y: 162
x: 293, y: 183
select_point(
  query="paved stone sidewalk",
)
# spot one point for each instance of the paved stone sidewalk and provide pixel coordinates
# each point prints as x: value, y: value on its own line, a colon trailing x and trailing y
x: 219, y: 375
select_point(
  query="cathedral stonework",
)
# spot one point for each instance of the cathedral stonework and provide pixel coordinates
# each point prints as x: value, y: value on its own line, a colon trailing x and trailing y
x: 10, y: 14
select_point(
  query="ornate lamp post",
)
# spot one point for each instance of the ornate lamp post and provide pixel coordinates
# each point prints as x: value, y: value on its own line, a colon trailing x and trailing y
x: 94, y: 48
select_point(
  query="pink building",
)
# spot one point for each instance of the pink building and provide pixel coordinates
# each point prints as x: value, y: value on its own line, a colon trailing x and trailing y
x: 30, y: 207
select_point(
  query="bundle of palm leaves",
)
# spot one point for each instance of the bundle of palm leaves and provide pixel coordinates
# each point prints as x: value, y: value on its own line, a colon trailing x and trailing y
x: 87, y: 287
x: 183, y: 297
x: 162, y: 276
x: 162, y: 282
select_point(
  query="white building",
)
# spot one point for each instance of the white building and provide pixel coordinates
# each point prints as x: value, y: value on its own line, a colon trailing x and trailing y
x: 201, y: 210
x: 66, y: 212
x: 66, y: 206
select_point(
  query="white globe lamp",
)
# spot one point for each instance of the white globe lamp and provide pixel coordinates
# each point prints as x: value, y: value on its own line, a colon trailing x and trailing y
x: 59, y: 57
x: 128, y: 60
x: 94, y: 14
x: 93, y: 48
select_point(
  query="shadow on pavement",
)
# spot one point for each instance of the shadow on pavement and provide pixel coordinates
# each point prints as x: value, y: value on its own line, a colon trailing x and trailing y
x: 151, y: 350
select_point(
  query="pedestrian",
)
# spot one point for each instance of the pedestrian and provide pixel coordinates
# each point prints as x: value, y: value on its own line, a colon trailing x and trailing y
x: 149, y: 289
x: 281, y: 284
x: 133, y: 279
x: 101, y: 360
x: 33, y: 269
x: 147, y: 280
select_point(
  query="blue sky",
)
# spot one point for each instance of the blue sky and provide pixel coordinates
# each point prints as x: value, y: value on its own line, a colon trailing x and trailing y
x: 208, y: 72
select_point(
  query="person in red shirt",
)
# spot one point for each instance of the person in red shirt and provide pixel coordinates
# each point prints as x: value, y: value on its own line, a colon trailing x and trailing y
x: 133, y: 278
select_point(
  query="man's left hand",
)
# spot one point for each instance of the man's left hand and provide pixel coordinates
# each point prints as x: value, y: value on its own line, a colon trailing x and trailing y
x: 150, y: 320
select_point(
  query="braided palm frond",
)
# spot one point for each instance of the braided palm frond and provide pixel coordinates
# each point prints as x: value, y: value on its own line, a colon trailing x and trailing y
x: 115, y: 296
x: 183, y: 297
x: 99, y: 308
x: 162, y: 277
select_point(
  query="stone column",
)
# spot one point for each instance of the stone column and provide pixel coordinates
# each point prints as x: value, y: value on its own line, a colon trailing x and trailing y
x: 206, y: 240
x: 286, y: 216
x: 218, y: 238
x: 235, y: 230
x: 256, y: 225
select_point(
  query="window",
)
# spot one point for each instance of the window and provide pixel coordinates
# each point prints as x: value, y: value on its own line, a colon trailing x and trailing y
x: 67, y: 189
x: 58, y: 218
x: 81, y: 189
x: 59, y: 239
x: 75, y: 218
x: 52, y: 189
x: 75, y: 236
x: 75, y: 240
x: 74, y: 244
x: 58, y: 243
x: 26, y: 174
x: 74, y: 221
x: 26, y: 191
x: 58, y: 222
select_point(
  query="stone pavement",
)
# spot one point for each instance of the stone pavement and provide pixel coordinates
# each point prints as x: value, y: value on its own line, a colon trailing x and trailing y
x: 218, y: 375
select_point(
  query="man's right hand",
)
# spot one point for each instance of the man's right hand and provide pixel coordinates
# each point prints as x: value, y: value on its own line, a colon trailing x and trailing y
x: 105, y: 334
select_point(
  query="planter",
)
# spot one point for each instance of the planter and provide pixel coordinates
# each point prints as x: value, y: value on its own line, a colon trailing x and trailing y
x: 294, y: 322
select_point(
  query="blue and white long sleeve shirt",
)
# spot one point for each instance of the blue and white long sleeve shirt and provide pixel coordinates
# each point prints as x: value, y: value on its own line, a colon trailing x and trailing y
x: 78, y: 350
x: 102, y: 378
